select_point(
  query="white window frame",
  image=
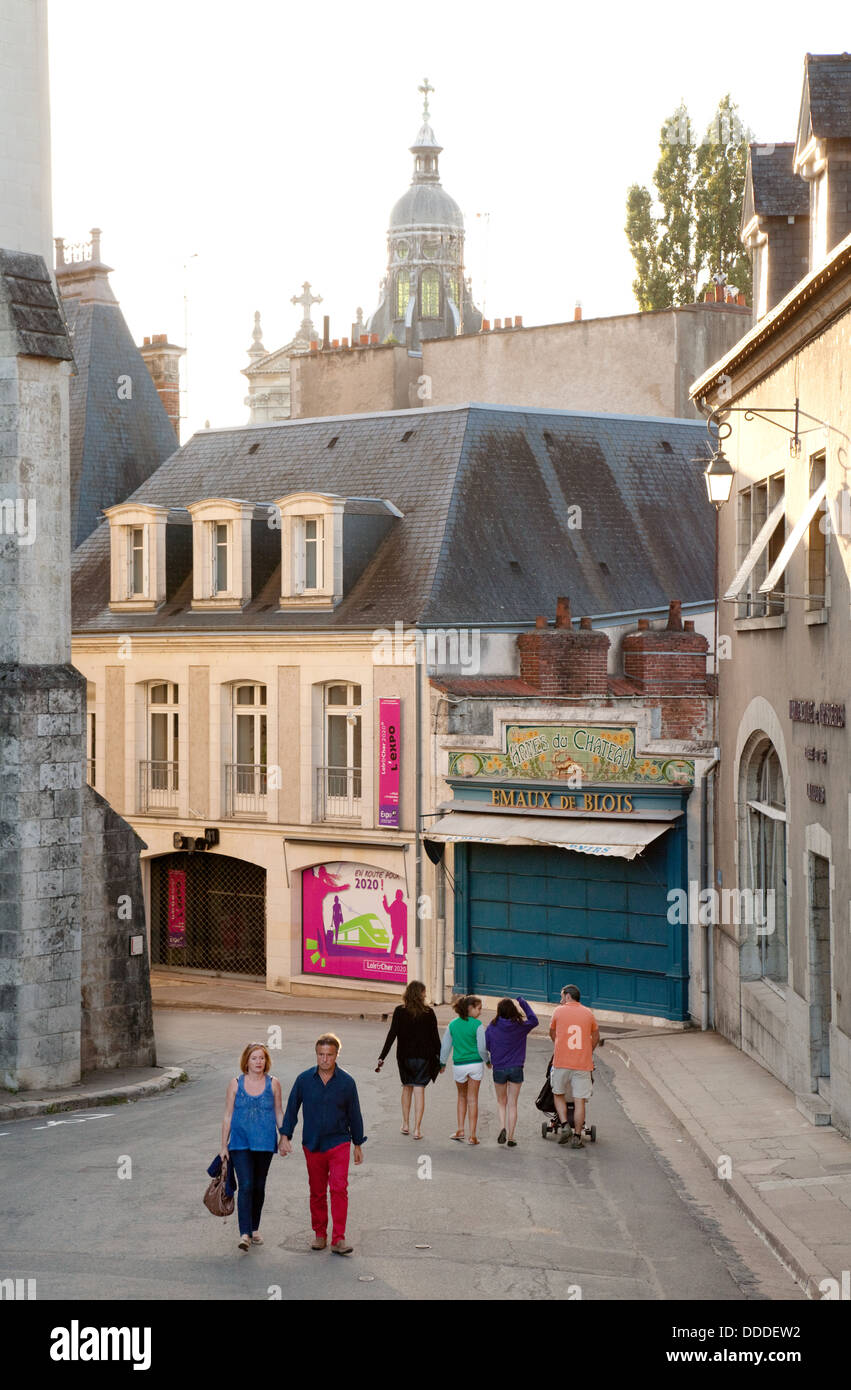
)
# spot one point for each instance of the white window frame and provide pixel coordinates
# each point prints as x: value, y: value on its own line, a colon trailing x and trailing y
x: 295, y: 511
x: 207, y: 516
x: 124, y: 521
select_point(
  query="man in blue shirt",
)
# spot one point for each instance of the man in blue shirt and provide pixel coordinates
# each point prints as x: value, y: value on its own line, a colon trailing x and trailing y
x: 330, y: 1124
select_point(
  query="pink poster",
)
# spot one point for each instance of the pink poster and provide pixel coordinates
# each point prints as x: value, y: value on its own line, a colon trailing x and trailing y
x: 354, y: 923
x: 389, y: 715
x: 177, y: 907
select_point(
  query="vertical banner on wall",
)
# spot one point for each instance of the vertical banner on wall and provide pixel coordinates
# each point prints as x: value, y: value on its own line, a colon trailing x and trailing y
x: 389, y: 717
x: 177, y: 907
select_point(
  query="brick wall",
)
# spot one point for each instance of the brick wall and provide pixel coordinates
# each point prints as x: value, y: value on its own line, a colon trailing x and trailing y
x: 563, y: 661
x: 667, y: 661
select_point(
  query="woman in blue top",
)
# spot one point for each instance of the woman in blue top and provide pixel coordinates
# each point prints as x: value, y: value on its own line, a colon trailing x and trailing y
x: 506, y: 1043
x: 253, y: 1112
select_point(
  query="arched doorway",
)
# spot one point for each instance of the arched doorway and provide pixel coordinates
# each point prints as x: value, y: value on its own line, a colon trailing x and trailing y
x: 208, y: 912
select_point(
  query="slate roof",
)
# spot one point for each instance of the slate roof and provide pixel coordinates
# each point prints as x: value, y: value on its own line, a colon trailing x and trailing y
x: 115, y: 443
x: 489, y: 529
x: 827, y: 80
x: 777, y: 191
x: 36, y: 318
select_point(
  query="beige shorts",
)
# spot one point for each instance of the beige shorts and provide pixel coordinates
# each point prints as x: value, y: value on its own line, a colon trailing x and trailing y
x: 577, y: 1084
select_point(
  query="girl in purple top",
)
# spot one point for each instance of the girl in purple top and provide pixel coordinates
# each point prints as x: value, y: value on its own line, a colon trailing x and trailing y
x: 506, y: 1042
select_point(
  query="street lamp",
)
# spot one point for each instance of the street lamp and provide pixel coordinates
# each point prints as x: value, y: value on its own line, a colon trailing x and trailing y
x: 719, y: 479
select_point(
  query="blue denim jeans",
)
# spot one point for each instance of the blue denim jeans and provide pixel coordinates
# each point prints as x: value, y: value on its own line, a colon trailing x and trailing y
x: 252, y: 1167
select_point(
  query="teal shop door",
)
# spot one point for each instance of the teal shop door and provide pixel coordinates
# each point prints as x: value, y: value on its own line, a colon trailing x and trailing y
x: 529, y: 920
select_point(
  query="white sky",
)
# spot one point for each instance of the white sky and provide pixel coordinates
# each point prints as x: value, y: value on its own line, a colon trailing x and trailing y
x: 230, y: 151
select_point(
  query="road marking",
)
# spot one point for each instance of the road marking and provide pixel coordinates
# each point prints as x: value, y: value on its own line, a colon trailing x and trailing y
x: 51, y: 1124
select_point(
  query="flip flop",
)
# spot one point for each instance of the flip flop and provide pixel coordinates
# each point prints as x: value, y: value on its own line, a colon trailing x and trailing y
x: 473, y: 1140
x: 403, y: 1130
x: 459, y: 1135
x: 417, y: 1136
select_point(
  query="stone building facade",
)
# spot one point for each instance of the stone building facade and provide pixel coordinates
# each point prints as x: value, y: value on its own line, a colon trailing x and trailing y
x: 782, y: 985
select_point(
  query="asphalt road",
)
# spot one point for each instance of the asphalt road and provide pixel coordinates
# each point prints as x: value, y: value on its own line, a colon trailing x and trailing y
x: 633, y: 1217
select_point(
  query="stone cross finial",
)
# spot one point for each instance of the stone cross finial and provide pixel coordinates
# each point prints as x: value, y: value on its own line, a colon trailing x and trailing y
x: 306, y: 299
x: 425, y: 89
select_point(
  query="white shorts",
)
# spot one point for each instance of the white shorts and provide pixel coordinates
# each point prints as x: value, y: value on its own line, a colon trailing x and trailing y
x: 469, y: 1071
x: 563, y: 1080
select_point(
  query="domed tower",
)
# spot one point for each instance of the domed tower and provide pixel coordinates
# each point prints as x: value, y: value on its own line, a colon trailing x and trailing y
x: 424, y: 293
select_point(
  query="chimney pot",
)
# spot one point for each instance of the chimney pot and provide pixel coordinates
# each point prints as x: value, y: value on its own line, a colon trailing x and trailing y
x: 314, y: 345
x: 688, y: 625
x: 486, y: 325
x: 585, y: 624
x: 563, y: 618
x: 146, y: 343
x: 740, y: 298
x: 577, y: 313
x: 335, y: 342
x: 497, y: 324
x: 509, y: 323
x: 709, y: 297
x: 540, y: 621
x: 675, y: 615
x: 719, y: 294
x: 373, y: 339
x: 643, y: 624
x: 364, y: 340
x: 345, y: 342
x: 518, y: 322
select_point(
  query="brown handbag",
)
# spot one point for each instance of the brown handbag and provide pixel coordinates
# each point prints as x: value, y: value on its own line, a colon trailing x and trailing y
x: 215, y: 1198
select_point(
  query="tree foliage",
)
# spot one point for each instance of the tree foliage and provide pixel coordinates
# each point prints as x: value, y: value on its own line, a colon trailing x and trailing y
x: 699, y: 191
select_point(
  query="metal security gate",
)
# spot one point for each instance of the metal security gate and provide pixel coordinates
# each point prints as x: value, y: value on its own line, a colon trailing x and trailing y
x: 215, y: 916
x: 529, y: 920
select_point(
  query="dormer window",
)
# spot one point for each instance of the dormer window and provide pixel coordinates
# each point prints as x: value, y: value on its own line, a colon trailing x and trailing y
x: 311, y: 550
x: 137, y: 549
x: 221, y: 545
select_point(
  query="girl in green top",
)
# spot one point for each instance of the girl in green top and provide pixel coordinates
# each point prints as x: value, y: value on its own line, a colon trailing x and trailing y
x: 465, y: 1039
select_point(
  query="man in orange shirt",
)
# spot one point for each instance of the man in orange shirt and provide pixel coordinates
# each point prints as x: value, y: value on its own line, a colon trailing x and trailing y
x: 574, y: 1031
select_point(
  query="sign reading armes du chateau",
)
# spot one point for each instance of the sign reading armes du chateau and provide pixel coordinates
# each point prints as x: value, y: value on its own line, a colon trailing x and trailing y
x: 574, y: 753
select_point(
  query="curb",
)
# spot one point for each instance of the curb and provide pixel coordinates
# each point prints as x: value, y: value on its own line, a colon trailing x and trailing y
x: 804, y: 1265
x: 29, y: 1109
x: 213, y: 1008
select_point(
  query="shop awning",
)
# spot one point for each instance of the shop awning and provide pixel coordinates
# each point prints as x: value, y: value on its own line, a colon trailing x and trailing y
x: 620, y: 839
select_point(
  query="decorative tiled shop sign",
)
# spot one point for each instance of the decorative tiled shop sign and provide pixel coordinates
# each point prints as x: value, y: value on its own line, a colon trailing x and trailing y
x: 574, y: 753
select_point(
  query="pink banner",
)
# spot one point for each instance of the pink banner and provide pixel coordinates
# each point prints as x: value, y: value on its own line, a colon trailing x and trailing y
x: 389, y: 717
x: 177, y: 907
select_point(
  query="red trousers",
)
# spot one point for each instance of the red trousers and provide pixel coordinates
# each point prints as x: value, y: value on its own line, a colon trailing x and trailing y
x: 324, y: 1171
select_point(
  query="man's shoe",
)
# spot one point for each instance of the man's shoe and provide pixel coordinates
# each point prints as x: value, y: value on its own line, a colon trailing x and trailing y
x: 319, y: 1243
x: 341, y: 1248
x: 577, y: 1142
x: 564, y: 1137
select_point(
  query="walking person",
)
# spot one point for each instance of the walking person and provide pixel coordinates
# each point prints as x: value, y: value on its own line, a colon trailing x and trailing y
x: 253, y: 1112
x: 465, y: 1039
x: 331, y: 1124
x: 505, y: 1039
x: 574, y: 1031
x: 413, y: 1027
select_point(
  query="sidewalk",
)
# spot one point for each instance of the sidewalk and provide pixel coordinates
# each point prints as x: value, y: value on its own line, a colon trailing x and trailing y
x: 792, y: 1179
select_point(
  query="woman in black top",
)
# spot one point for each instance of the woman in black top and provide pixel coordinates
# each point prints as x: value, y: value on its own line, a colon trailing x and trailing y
x: 414, y: 1029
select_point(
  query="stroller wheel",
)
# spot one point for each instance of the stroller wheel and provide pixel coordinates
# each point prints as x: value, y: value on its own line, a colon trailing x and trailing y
x: 545, y: 1129
x: 592, y: 1134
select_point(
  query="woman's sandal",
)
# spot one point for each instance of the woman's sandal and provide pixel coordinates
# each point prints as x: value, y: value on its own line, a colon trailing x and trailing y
x: 459, y: 1135
x: 417, y: 1134
x: 403, y: 1130
x: 257, y: 1240
x: 474, y: 1140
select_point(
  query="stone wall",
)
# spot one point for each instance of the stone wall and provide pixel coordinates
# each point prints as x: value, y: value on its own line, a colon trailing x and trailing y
x: 117, y: 1021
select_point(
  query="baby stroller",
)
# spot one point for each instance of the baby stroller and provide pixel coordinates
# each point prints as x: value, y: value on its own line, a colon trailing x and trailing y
x: 547, y: 1106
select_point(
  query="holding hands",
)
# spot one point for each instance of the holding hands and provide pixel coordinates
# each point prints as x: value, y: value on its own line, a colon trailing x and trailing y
x: 284, y: 1147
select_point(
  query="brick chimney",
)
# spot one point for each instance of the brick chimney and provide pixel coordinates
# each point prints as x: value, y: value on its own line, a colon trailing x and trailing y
x: 561, y: 660
x: 162, y: 360
x: 668, y: 661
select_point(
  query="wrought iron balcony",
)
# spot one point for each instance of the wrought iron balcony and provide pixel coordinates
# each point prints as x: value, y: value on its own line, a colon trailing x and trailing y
x: 337, y: 793
x: 245, y: 789
x: 158, y: 786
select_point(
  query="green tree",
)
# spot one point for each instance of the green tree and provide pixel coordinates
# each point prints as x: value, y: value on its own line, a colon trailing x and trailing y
x: 699, y: 190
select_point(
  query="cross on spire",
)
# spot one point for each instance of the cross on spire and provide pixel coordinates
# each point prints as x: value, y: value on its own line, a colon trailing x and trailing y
x: 306, y: 299
x: 425, y: 89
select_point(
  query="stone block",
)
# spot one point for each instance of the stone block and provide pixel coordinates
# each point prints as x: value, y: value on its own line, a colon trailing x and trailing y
x: 53, y: 724
x: 56, y: 831
x: 75, y: 830
x: 32, y: 1023
x: 67, y: 802
x: 50, y: 884
x: 65, y: 701
x: 72, y: 880
x: 54, y: 775
x: 64, y: 856
x: 64, y: 1019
